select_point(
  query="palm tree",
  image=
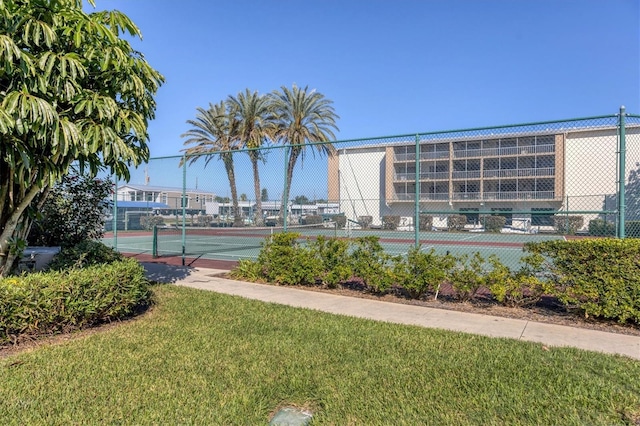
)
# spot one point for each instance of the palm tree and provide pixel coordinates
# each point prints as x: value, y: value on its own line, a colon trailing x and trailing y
x: 213, y: 132
x: 303, y: 117
x: 253, y: 114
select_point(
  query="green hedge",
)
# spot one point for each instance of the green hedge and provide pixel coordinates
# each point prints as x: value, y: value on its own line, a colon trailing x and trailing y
x: 390, y: 222
x: 494, y: 223
x: 600, y: 277
x: 426, y: 222
x: 456, y: 222
x: 597, y: 277
x: 86, y: 253
x: 51, y: 302
x: 568, y: 225
x: 602, y: 228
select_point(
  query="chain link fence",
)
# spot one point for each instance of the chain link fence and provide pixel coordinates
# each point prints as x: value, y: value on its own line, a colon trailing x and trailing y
x: 487, y: 190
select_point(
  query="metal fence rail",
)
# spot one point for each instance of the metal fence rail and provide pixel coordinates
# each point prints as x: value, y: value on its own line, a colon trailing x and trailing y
x: 564, y: 179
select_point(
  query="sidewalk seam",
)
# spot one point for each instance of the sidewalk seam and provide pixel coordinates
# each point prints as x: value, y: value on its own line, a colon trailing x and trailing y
x: 523, y: 330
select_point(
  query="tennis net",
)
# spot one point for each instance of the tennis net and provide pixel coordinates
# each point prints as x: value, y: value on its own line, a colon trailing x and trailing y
x: 232, y: 242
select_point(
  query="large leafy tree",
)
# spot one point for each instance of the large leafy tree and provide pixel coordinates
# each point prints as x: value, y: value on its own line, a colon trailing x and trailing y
x: 213, y: 134
x: 72, y: 91
x: 255, y: 125
x: 304, y: 119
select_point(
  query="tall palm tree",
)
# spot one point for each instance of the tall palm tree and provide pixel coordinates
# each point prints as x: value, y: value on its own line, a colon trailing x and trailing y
x: 253, y: 114
x: 213, y: 132
x: 302, y: 118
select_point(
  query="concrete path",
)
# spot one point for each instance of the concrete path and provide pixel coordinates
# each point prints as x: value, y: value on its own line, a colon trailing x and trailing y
x: 547, y: 334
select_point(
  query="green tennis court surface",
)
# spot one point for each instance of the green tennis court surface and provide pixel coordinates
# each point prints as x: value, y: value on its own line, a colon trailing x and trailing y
x: 245, y: 243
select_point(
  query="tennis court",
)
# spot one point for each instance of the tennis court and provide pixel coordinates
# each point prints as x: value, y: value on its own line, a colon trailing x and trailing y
x: 232, y: 244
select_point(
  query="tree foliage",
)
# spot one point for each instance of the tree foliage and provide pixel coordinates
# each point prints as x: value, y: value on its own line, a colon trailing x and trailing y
x: 73, y: 212
x: 72, y: 90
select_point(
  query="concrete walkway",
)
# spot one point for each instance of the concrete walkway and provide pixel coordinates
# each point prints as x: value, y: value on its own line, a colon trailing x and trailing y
x: 547, y: 334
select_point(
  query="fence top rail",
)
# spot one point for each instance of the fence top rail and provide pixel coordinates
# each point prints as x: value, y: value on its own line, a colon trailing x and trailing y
x: 417, y: 135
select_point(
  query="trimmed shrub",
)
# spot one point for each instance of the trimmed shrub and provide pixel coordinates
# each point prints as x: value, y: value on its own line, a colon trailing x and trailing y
x: 311, y: 220
x: 601, y: 228
x: 567, y: 224
x: 148, y: 222
x: 600, y: 277
x: 632, y: 228
x: 517, y: 288
x: 456, y: 222
x: 86, y: 253
x: 204, y: 220
x: 371, y: 264
x: 468, y: 276
x: 422, y: 272
x: 333, y: 255
x: 51, y: 302
x: 340, y: 220
x: 365, y: 221
x: 426, y: 222
x: 390, y: 222
x: 494, y: 223
x: 285, y: 261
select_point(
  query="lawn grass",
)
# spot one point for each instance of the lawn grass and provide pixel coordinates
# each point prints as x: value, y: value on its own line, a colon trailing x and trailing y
x: 205, y: 358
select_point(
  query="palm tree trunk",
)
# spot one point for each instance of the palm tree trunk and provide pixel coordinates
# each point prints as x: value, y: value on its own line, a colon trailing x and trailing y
x: 293, y: 158
x: 227, y: 158
x: 254, y: 155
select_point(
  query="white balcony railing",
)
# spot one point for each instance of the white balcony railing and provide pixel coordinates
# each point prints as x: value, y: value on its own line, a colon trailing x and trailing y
x: 470, y: 174
x: 499, y: 152
x: 519, y: 195
x: 541, y: 171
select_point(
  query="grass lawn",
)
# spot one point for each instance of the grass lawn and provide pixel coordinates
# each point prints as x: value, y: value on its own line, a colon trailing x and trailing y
x: 205, y: 358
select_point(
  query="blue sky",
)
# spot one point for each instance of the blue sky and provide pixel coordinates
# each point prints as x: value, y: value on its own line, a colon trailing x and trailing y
x: 394, y: 67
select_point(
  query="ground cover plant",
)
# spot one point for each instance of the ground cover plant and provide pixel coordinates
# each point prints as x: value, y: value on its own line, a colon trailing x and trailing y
x: 205, y: 358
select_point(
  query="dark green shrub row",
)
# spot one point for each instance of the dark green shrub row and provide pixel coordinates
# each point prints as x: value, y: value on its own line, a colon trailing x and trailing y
x: 456, y: 222
x: 632, y: 228
x: 390, y: 222
x: 311, y: 220
x: 494, y: 223
x: 148, y: 222
x: 426, y: 222
x: 83, y: 254
x: 332, y: 262
x: 51, y: 302
x: 602, y: 228
x: 568, y: 225
x: 600, y: 277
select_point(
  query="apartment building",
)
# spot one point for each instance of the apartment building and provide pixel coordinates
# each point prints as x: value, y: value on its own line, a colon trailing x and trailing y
x: 526, y: 177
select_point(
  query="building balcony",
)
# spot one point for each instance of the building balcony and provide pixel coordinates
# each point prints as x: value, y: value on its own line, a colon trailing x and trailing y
x: 501, y: 152
x: 469, y: 174
x: 519, y: 195
x: 466, y: 196
x: 510, y: 173
x: 424, y: 196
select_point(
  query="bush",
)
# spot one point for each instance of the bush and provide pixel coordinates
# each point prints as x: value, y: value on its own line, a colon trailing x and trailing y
x: 632, y: 228
x: 86, y: 253
x: 371, y: 264
x: 601, y: 228
x: 517, y: 288
x: 73, y: 211
x: 426, y: 222
x: 204, y: 220
x: 422, y: 272
x: 494, y: 223
x: 390, y: 222
x: 365, y: 221
x: 340, y: 220
x: 284, y: 261
x: 567, y: 224
x: 51, y: 302
x: 600, y: 277
x: 456, y: 222
x: 333, y: 256
x: 468, y: 276
x: 148, y: 222
x: 311, y: 220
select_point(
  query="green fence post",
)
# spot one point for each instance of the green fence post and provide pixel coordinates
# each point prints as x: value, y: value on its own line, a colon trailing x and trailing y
x: 416, y: 221
x: 621, y: 171
x: 115, y: 215
x: 154, y: 243
x: 285, y: 193
x: 184, y: 208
